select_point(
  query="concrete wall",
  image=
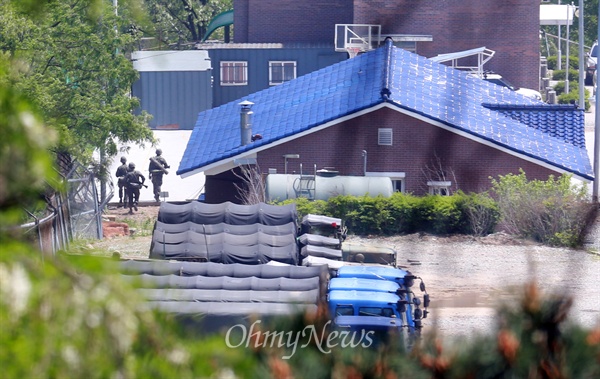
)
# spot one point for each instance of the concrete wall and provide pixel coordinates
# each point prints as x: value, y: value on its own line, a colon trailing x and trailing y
x: 172, y: 143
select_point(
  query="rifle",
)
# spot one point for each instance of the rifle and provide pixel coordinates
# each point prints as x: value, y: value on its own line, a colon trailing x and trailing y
x: 160, y: 166
x: 145, y: 186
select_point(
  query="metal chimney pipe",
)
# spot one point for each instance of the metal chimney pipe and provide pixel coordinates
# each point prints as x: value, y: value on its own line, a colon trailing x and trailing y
x: 246, y: 121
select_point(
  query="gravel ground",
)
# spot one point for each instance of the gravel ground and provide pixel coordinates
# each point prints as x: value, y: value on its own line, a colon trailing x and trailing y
x: 467, y: 277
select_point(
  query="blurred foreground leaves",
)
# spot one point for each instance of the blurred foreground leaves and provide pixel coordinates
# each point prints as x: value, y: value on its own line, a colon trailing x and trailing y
x: 74, y: 317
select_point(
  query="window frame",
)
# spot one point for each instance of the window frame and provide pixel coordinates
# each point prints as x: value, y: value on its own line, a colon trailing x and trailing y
x: 282, y: 65
x: 243, y: 65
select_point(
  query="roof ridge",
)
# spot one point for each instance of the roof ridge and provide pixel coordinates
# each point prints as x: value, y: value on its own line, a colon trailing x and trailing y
x: 387, y: 69
x: 543, y: 107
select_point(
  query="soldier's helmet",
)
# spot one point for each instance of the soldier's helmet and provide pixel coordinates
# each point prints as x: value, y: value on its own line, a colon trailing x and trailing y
x: 123, y: 159
x: 131, y: 165
x: 158, y: 151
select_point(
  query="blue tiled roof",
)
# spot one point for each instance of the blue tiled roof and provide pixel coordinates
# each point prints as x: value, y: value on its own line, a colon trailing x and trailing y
x: 561, y: 121
x: 551, y: 134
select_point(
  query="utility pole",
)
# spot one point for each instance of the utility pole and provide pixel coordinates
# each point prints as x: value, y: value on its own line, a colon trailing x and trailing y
x: 559, y: 52
x: 597, y: 136
x: 568, y: 48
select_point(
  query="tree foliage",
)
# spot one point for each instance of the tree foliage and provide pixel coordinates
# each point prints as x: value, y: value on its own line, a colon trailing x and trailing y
x: 25, y: 166
x: 179, y: 24
x: 73, y: 67
x: 590, y: 23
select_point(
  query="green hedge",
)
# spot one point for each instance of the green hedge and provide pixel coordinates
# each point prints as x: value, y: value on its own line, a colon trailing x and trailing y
x: 573, y: 98
x: 560, y: 87
x: 560, y: 75
x: 404, y: 213
x: 552, y: 212
x: 573, y: 62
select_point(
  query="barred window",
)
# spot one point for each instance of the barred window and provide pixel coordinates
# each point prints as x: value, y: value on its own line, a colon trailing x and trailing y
x: 234, y: 73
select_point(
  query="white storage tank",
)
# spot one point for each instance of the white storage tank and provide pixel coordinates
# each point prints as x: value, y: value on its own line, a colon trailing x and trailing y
x: 280, y: 187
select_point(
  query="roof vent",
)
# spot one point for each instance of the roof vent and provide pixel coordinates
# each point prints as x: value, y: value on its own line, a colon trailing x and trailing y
x: 246, y: 121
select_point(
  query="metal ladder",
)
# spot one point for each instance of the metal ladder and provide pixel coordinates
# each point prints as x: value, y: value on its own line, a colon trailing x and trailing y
x: 307, y: 184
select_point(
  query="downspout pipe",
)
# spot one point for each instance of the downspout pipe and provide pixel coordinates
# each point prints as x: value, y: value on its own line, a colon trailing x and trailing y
x: 364, y: 155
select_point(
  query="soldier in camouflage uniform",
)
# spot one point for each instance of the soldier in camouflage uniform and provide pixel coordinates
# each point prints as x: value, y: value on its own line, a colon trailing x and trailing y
x: 134, y: 180
x: 157, y: 168
x: 120, y: 174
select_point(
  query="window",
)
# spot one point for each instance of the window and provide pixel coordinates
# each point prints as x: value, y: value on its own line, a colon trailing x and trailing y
x: 441, y: 188
x: 234, y: 73
x: 397, y: 178
x: 344, y: 310
x: 281, y: 71
x: 385, y: 136
x: 375, y: 311
x: 398, y: 185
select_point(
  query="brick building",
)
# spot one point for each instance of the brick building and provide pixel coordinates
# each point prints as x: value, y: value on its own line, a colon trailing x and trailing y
x: 392, y: 113
x: 509, y: 27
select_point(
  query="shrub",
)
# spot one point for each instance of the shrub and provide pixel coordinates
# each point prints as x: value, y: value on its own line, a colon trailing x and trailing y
x: 342, y: 206
x: 560, y: 75
x: 573, y: 62
x: 405, y: 213
x: 364, y: 215
x: 305, y: 206
x: 481, y: 212
x: 403, y: 208
x: 553, y: 211
x: 441, y: 215
x: 573, y: 98
x: 560, y: 87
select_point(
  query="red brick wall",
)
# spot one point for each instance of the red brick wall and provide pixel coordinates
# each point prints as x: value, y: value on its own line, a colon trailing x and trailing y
x: 240, y: 21
x: 416, y: 146
x: 510, y: 27
x: 283, y: 21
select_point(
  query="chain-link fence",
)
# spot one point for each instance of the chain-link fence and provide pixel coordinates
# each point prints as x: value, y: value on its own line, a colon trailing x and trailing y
x: 76, y: 214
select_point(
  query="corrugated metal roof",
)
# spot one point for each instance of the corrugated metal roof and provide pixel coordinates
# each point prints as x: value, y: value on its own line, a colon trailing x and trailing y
x: 264, y: 45
x: 407, y: 82
x: 170, y: 60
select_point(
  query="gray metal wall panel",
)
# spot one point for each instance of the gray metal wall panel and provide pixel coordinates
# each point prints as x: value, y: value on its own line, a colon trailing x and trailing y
x: 174, y: 99
x: 308, y: 60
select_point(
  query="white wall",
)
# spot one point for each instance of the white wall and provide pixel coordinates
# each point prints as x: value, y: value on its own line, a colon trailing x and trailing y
x: 173, y: 144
